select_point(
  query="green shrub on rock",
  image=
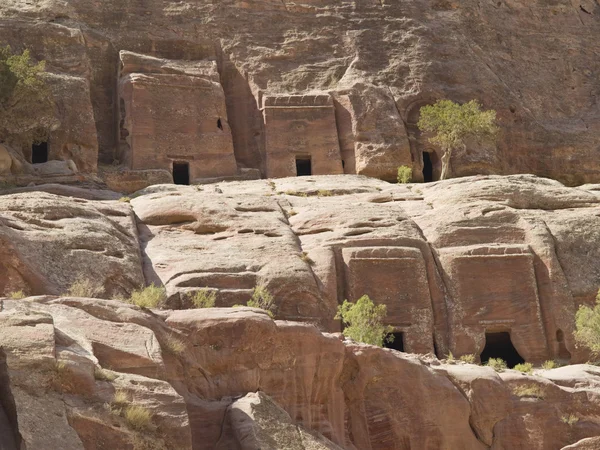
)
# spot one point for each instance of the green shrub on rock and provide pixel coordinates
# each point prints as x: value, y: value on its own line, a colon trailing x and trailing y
x: 524, y: 368
x: 498, y: 364
x: 363, y: 321
x: 404, y: 174
x: 27, y: 108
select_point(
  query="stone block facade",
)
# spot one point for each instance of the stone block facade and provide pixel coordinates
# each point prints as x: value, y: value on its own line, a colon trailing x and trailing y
x: 173, y: 113
x: 301, y: 128
x: 496, y: 291
x: 397, y: 278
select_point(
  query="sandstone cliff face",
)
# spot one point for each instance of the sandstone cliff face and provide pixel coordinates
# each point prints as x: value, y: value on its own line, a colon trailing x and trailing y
x: 459, y: 263
x: 356, y: 69
x: 223, y: 387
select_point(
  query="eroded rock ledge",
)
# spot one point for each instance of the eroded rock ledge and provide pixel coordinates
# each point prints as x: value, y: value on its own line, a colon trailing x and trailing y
x: 454, y: 261
x: 67, y: 357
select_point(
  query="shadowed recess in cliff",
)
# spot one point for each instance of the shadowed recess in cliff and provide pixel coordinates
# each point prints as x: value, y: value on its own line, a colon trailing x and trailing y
x: 10, y: 439
x: 499, y: 345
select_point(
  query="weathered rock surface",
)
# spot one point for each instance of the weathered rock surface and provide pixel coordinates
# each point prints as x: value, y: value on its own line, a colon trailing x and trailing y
x: 378, y: 62
x: 215, y: 390
x: 454, y: 261
x: 256, y: 422
x: 48, y: 242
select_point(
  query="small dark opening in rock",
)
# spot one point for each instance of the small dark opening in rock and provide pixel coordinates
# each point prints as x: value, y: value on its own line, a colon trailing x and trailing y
x: 398, y: 343
x: 343, y: 164
x: 427, y: 168
x: 435, y: 348
x: 181, y: 173
x: 219, y: 124
x: 303, y: 167
x: 39, y: 153
x: 563, y: 353
x: 499, y: 345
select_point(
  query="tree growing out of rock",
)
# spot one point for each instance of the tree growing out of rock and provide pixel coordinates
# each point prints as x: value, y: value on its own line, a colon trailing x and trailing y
x: 26, y: 103
x: 451, y: 124
x: 363, y: 321
x: 587, y: 323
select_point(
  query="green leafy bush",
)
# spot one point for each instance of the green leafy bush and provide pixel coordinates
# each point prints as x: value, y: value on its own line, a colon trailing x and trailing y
x: 525, y: 367
x: 363, y: 321
x: 17, y: 295
x: 587, y: 323
x: 404, y: 174
x: 204, y: 298
x: 498, y: 364
x: 451, y: 124
x: 26, y: 102
x: 149, y: 297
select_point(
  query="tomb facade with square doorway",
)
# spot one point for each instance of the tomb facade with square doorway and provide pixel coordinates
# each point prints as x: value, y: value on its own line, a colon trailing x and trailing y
x: 172, y: 113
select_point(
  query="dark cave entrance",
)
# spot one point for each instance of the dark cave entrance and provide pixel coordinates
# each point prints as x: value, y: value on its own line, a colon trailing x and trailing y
x: 39, y: 153
x: 181, y: 173
x: 219, y: 124
x: 303, y: 167
x: 398, y: 343
x: 499, y: 345
x: 427, y: 168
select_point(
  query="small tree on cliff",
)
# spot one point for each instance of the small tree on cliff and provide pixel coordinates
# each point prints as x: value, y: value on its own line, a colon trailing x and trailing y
x: 363, y: 321
x: 451, y: 124
x: 26, y: 104
x: 587, y: 322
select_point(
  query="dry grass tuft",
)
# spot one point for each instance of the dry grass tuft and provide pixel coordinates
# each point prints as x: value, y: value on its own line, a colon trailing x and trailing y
x: 101, y: 374
x: 529, y: 390
x: 84, y: 287
x: 173, y: 345
x: 204, y: 298
x: 138, y: 418
x: 470, y: 359
x: 149, y: 297
x: 570, y: 419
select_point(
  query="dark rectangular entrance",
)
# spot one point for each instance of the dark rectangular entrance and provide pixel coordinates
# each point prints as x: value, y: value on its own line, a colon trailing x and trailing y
x: 303, y: 167
x: 181, y: 173
x: 39, y: 153
x: 398, y: 342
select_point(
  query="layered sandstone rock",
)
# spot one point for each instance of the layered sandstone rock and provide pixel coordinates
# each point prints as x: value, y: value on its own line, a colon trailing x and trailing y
x: 458, y: 263
x: 238, y: 379
x: 377, y: 63
x: 49, y: 242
